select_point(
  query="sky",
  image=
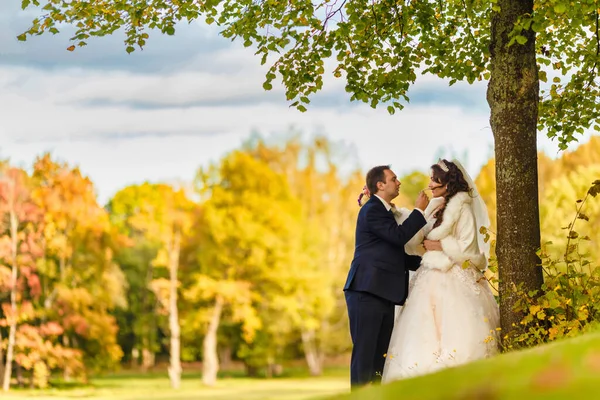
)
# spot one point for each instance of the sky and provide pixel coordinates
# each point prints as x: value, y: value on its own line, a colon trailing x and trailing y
x: 186, y: 100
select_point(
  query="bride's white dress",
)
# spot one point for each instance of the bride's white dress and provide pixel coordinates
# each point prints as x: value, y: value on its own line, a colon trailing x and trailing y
x: 451, y: 316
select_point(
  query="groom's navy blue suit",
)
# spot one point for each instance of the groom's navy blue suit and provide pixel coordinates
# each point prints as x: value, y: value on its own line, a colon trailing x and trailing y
x: 377, y: 281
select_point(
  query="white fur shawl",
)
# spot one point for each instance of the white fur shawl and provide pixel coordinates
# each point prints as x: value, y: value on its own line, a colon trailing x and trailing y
x: 458, y: 235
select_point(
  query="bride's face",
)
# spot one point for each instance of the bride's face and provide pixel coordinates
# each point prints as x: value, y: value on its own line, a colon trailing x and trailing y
x: 437, y: 189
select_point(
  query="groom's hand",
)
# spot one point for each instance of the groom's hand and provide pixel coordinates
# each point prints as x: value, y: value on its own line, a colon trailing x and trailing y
x: 422, y: 201
x: 432, y: 245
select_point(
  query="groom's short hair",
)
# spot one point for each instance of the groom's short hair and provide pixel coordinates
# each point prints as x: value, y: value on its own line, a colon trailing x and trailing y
x: 376, y: 174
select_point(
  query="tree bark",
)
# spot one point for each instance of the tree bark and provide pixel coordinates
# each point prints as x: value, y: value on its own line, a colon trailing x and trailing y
x: 513, y: 97
x: 66, y: 341
x: 311, y: 353
x: 148, y: 359
x: 225, y: 356
x: 149, y: 327
x: 210, y: 361
x: 175, y: 363
x: 14, y: 225
x: 1, y: 362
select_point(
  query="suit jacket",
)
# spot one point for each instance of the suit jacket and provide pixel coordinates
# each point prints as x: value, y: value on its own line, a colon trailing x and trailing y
x: 380, y: 265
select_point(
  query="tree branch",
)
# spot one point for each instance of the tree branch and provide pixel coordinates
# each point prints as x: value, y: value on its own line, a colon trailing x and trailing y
x: 597, y: 35
x: 468, y: 20
x: 332, y: 14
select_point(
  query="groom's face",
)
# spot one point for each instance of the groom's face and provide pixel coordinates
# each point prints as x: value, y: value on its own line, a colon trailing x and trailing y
x: 391, y: 187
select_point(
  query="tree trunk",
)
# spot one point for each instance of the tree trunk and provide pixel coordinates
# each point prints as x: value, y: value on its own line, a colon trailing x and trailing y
x: 1, y: 361
x: 149, y: 327
x: 251, y: 370
x: 20, y: 380
x: 175, y: 363
x: 210, y: 361
x: 513, y: 97
x: 311, y: 353
x: 148, y: 359
x: 225, y: 356
x: 12, y: 318
x: 66, y: 342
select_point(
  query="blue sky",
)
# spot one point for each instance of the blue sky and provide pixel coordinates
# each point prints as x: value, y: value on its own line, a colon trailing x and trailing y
x: 186, y: 100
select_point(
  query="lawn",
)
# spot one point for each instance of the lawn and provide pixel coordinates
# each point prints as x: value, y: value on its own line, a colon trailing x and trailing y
x: 155, y: 386
x: 568, y: 369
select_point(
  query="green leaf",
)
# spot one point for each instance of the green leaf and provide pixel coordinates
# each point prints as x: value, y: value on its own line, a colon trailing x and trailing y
x: 391, y: 110
x: 267, y: 86
x: 560, y: 8
x: 301, y: 108
x: 542, y: 75
x: 22, y: 37
x: 521, y: 39
x: 170, y: 30
x: 130, y: 49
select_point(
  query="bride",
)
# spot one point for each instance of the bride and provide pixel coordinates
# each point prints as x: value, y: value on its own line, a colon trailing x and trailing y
x: 451, y: 316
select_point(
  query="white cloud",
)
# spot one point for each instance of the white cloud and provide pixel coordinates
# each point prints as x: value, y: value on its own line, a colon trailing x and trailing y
x: 185, y: 101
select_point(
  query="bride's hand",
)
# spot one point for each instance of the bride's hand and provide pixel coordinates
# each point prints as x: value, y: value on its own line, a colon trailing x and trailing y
x: 432, y: 245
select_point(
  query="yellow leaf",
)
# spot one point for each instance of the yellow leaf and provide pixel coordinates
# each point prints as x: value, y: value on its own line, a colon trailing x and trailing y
x: 534, y: 309
x: 541, y: 315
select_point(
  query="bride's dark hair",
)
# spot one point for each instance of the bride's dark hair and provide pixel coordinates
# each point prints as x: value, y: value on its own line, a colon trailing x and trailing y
x: 454, y: 181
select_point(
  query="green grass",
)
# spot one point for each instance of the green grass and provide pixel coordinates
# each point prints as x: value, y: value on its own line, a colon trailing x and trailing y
x: 155, y: 386
x: 567, y: 369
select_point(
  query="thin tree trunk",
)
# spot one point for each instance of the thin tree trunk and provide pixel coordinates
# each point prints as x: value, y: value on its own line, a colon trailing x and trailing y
x: 210, y: 362
x: 225, y: 358
x: 513, y: 96
x: 311, y: 353
x: 175, y: 364
x: 14, y: 225
x: 62, y: 268
x: 1, y: 361
x: 148, y: 359
x: 66, y: 341
x: 20, y: 380
x: 148, y: 310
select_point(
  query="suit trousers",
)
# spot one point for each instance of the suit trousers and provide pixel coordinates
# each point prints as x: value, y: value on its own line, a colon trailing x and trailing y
x: 371, y: 323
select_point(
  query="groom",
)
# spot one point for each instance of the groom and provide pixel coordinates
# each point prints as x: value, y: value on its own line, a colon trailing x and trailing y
x: 378, y: 277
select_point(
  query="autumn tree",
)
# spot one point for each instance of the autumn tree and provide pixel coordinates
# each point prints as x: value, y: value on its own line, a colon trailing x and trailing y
x: 557, y: 212
x: 328, y: 208
x: 81, y: 283
x: 243, y: 235
x: 19, y: 232
x: 139, y: 322
x: 62, y: 281
x: 157, y: 215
